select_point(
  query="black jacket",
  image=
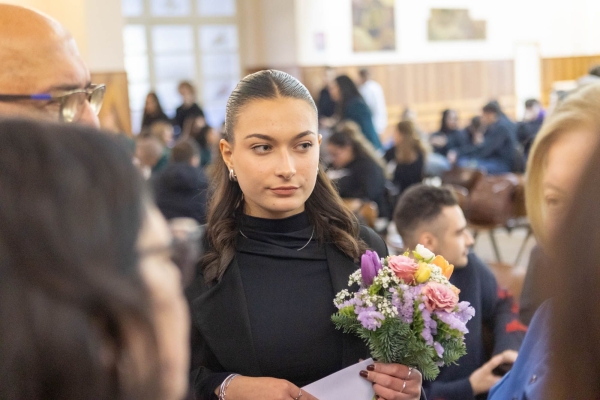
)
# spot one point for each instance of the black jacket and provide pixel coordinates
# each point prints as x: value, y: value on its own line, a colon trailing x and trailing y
x: 182, y: 114
x: 180, y: 191
x: 221, y: 337
x: 498, y: 144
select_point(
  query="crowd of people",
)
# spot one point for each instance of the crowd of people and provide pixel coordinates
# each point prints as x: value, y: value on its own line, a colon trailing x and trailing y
x: 203, y: 264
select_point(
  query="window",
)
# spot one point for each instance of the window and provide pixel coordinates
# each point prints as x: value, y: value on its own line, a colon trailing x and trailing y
x: 167, y: 41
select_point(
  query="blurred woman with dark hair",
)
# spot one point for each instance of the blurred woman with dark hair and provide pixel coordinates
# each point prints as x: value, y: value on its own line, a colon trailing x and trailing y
x: 153, y: 111
x: 449, y: 137
x: 351, y: 106
x: 91, y: 307
x: 358, y: 171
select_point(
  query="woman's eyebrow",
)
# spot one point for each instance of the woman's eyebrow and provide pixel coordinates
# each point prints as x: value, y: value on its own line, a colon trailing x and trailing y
x: 271, y: 139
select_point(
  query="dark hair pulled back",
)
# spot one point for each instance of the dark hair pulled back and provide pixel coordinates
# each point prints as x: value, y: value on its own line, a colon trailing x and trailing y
x: 332, y: 221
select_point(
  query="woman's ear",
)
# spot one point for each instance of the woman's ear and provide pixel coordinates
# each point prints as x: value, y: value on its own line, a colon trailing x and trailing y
x: 226, y: 151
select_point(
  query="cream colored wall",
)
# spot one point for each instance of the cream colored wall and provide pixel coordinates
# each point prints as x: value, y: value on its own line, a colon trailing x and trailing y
x: 558, y: 29
x: 96, y: 25
x: 268, y: 33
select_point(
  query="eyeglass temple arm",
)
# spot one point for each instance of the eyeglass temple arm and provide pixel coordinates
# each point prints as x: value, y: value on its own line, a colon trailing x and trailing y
x: 39, y: 96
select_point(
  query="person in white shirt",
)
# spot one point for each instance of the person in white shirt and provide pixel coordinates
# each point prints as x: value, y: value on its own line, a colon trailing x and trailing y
x: 372, y: 93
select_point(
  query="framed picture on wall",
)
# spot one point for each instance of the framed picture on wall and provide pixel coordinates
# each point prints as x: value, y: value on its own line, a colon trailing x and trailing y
x: 373, y: 25
x: 454, y: 24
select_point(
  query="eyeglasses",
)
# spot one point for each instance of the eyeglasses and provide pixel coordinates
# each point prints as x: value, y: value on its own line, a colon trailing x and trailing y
x: 72, y: 102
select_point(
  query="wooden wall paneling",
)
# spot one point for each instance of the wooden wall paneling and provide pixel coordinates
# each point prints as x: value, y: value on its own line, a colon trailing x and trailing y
x: 429, y: 88
x: 564, y: 69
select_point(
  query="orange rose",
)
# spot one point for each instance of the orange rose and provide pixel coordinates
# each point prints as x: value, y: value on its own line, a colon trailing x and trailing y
x: 446, y: 267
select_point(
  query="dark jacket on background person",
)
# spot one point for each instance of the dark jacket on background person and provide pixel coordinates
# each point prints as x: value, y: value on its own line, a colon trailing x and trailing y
x: 162, y: 162
x: 363, y: 179
x: 183, y: 113
x: 526, y: 132
x: 455, y: 140
x: 325, y: 104
x: 405, y: 175
x: 148, y: 120
x: 497, y: 145
x: 180, y: 191
x: 358, y: 111
x: 510, y: 126
x: 495, y: 311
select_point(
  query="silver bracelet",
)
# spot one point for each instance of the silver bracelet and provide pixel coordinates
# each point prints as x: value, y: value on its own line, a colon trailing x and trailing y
x: 225, y: 385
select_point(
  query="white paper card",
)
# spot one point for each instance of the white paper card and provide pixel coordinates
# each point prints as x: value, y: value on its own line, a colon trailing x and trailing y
x: 343, y: 385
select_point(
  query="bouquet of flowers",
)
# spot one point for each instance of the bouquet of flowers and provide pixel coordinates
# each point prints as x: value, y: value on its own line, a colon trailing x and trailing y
x: 406, y: 310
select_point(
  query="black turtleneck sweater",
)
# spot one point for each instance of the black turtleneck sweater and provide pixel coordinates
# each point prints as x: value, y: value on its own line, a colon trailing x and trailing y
x: 290, y: 299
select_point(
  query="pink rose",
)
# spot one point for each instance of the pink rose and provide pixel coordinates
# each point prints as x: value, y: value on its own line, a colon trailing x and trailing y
x: 439, y: 297
x: 404, y: 268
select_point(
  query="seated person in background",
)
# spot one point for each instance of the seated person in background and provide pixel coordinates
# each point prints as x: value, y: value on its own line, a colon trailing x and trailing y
x: 325, y: 104
x: 449, y: 137
x: 153, y: 111
x: 351, y: 106
x: 163, y: 131
x: 357, y: 169
x: 532, y: 122
x: 189, y: 108
x: 151, y: 154
x: 406, y: 160
x: 206, y: 137
x: 509, y: 124
x: 431, y: 216
x: 493, y: 152
x: 91, y: 305
x: 180, y: 189
x: 435, y: 164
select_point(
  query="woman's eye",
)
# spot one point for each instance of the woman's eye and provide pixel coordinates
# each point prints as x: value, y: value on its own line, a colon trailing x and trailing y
x: 305, y: 146
x: 263, y: 148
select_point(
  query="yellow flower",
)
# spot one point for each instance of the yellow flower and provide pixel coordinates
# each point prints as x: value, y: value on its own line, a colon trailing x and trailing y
x: 423, y: 272
x: 446, y: 267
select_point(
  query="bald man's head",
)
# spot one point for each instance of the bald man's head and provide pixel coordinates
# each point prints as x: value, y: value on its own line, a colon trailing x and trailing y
x: 38, y: 55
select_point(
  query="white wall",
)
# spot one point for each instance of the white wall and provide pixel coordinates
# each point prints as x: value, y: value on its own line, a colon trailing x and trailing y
x: 96, y: 25
x: 559, y: 28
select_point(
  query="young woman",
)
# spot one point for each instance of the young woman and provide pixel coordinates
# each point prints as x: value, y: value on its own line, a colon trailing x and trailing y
x: 406, y: 160
x: 351, y: 106
x: 91, y: 305
x: 153, y: 111
x: 280, y: 245
x: 449, y: 137
x: 557, y: 161
x: 357, y: 168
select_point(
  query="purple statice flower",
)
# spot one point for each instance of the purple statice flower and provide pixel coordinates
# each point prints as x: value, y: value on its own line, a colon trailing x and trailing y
x: 451, y: 320
x: 465, y: 311
x: 369, y: 317
x: 438, y: 349
x: 370, y: 264
x: 430, y: 326
x: 353, y: 302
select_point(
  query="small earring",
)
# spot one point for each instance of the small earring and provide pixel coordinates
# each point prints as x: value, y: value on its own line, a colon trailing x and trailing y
x: 232, y: 175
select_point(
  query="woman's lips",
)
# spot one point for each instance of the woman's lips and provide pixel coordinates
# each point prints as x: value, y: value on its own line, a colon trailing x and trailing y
x: 284, y: 190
